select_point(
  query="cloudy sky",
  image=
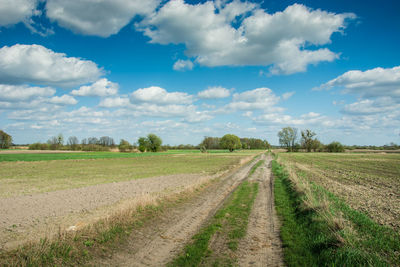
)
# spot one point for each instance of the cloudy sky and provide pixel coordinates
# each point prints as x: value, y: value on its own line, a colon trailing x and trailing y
x: 187, y: 69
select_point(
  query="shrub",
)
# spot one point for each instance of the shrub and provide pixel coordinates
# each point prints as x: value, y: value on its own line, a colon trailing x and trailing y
x: 335, y: 147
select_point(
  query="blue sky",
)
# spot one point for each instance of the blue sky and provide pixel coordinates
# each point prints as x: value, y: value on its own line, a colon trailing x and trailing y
x: 188, y: 69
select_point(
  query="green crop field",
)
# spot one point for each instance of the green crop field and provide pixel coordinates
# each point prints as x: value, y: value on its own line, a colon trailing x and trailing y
x: 48, y: 155
x: 40, y: 174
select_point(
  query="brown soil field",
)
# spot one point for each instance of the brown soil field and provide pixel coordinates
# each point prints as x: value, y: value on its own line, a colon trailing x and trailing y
x: 31, y: 217
x: 367, y: 182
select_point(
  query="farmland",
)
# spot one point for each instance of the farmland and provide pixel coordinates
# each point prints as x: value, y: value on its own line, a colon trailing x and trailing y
x: 40, y: 197
x: 339, y: 209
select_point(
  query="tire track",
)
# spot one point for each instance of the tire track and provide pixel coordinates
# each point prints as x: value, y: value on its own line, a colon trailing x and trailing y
x: 262, y: 245
x: 156, y: 245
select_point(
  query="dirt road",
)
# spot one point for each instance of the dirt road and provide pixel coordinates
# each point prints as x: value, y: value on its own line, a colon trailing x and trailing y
x: 156, y: 245
x: 262, y: 245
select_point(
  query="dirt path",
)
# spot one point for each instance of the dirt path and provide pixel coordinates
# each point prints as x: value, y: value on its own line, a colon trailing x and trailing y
x: 262, y: 245
x: 156, y: 245
x: 31, y: 217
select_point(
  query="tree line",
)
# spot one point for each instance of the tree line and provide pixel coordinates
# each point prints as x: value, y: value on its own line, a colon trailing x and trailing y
x: 293, y: 142
x: 240, y: 143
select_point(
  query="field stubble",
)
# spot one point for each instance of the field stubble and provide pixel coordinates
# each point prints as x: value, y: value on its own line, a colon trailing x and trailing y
x: 367, y: 182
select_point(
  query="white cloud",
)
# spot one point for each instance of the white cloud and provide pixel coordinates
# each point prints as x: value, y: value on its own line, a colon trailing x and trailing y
x: 114, y: 102
x: 14, y: 11
x: 374, y: 106
x: 310, y: 118
x: 280, y: 39
x: 63, y: 100
x: 214, y: 92
x: 158, y: 95
x: 102, y: 87
x: 182, y: 65
x: 19, y: 93
x: 101, y: 17
x: 260, y: 98
x: 287, y: 95
x: 38, y: 65
x: 377, y: 82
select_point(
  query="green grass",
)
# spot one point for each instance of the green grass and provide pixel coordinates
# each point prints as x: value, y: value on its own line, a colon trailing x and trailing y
x: 25, y: 177
x: 48, y: 155
x: 229, y: 223
x: 309, y: 240
x: 254, y: 168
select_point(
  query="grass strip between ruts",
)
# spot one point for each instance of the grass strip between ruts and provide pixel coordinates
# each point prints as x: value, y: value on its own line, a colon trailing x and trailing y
x: 231, y: 221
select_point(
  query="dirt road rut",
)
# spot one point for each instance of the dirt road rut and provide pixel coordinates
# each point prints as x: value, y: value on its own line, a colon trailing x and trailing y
x: 156, y: 245
x: 262, y: 245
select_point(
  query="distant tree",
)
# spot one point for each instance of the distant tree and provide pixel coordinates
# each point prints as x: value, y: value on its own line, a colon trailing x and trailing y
x: 287, y: 137
x: 5, y: 140
x: 210, y: 142
x: 84, y: 141
x: 124, y: 146
x: 106, y: 141
x: 60, y: 139
x: 93, y: 141
x: 307, y: 139
x: 335, y: 147
x: 231, y: 142
x: 317, y: 145
x: 73, y: 142
x: 143, y: 144
x: 154, y: 142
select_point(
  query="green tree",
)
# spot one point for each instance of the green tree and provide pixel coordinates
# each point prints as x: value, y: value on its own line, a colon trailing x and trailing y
x: 231, y: 142
x: 335, y: 147
x: 287, y: 137
x: 154, y: 142
x: 5, y: 140
x: 124, y: 146
x: 307, y: 139
x: 143, y: 144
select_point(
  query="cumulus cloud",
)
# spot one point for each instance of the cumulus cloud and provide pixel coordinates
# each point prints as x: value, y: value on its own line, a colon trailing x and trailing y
x: 214, y: 92
x: 14, y: 11
x: 102, y: 87
x: 18, y: 93
x: 282, y: 39
x: 287, y: 95
x: 38, y: 65
x: 260, y: 98
x: 182, y: 65
x: 371, y: 106
x: 158, y: 95
x: 310, y: 118
x: 377, y: 82
x: 114, y: 102
x: 102, y: 18
x: 63, y: 100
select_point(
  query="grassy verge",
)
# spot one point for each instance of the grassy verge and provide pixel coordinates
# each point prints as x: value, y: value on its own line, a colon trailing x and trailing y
x: 98, y: 240
x: 319, y: 229
x: 230, y: 223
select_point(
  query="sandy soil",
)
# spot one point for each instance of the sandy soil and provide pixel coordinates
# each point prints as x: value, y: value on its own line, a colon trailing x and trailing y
x: 157, y: 244
x: 262, y: 245
x: 30, y: 217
